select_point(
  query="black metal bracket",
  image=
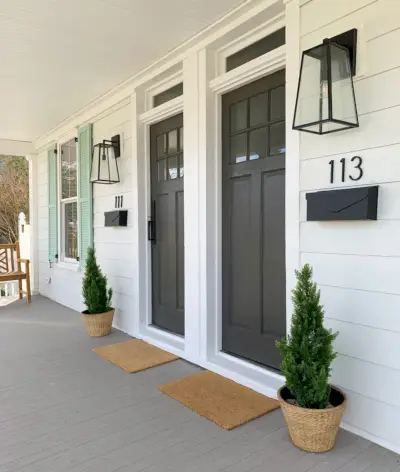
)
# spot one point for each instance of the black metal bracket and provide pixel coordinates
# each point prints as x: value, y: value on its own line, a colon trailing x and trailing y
x: 116, y: 143
x: 349, y: 41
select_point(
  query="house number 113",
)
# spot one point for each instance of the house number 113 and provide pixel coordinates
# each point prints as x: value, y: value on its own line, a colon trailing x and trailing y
x: 356, y: 173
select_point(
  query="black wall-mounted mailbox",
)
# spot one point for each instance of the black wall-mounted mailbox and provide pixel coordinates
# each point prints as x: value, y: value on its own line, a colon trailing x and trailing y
x: 359, y: 203
x: 116, y: 218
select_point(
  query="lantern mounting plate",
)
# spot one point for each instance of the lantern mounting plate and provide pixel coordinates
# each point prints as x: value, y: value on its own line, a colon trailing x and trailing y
x: 115, y: 141
x: 349, y: 41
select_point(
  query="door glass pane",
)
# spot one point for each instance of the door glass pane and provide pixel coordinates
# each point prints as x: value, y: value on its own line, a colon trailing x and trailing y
x: 71, y: 230
x: 238, y: 149
x: 173, y: 141
x: 259, y: 109
x: 181, y: 166
x: 172, y: 168
x: 277, y: 139
x: 277, y: 101
x: 238, y: 116
x: 258, y: 140
x: 181, y: 139
x: 161, y: 145
x: 162, y: 165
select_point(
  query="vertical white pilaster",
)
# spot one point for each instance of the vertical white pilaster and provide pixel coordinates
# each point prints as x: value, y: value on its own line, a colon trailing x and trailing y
x: 207, y: 204
x: 292, y: 17
x: 135, y: 309
x: 191, y: 108
x: 33, y: 221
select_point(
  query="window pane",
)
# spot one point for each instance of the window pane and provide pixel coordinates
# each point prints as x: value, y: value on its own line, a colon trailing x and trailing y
x: 162, y: 165
x: 71, y: 230
x: 181, y: 139
x: 257, y: 49
x: 172, y: 168
x: 277, y: 102
x: 173, y: 141
x: 167, y: 95
x: 238, y: 116
x: 238, y: 148
x: 182, y: 167
x: 259, y: 109
x: 277, y: 139
x: 161, y: 145
x: 258, y: 140
x: 68, y: 170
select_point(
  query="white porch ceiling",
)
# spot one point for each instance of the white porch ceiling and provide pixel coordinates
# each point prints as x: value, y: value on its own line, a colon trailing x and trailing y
x: 56, y: 56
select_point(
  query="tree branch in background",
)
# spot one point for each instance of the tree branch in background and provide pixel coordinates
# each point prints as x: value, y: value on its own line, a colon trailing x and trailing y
x: 14, y: 195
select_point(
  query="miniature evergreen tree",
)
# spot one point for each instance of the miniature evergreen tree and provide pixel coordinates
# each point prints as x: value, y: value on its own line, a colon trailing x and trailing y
x: 96, y: 296
x: 307, y: 354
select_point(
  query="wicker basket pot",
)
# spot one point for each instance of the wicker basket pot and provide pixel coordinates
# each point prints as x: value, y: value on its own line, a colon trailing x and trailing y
x: 99, y: 324
x: 313, y: 430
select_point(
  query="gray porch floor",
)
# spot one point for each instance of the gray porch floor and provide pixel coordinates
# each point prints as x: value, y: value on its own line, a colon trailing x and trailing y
x: 62, y: 408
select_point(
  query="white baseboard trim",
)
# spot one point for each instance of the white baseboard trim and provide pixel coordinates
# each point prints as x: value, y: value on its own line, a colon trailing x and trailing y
x: 371, y: 437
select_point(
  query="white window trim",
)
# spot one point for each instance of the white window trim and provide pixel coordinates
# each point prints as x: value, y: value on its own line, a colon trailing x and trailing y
x: 161, y: 86
x: 264, y: 29
x: 66, y: 262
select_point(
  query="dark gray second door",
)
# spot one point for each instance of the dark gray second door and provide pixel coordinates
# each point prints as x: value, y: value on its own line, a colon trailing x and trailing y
x: 253, y: 227
x: 166, y: 149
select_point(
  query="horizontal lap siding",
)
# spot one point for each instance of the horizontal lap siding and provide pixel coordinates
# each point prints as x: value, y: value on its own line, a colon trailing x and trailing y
x: 357, y: 264
x: 113, y: 245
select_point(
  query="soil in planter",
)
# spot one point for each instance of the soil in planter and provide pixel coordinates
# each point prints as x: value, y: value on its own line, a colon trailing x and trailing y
x: 335, y: 397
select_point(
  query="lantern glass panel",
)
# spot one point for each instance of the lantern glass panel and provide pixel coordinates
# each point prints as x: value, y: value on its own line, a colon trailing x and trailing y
x: 325, y: 100
x: 343, y: 102
x: 104, y: 164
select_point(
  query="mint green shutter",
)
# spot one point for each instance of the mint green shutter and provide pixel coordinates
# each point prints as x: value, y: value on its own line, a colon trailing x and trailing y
x: 53, y: 203
x: 85, y: 197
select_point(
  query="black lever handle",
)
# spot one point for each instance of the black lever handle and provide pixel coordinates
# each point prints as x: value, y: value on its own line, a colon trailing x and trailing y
x: 151, y: 224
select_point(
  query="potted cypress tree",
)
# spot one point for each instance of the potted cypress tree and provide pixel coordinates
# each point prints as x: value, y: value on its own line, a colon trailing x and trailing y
x: 99, y: 314
x: 313, y: 409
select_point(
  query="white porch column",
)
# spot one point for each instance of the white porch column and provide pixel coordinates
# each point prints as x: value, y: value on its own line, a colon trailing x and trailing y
x: 33, y: 221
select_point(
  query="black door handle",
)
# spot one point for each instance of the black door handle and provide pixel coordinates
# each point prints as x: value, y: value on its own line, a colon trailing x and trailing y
x: 151, y: 224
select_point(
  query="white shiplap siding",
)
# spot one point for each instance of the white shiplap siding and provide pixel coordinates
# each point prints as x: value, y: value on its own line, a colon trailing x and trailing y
x: 357, y: 264
x: 113, y: 245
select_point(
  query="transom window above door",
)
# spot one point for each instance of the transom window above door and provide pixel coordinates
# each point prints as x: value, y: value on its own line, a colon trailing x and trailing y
x: 170, y: 155
x: 257, y: 126
x: 69, y: 200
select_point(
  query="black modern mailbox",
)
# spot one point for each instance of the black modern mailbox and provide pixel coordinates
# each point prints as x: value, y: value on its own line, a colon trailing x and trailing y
x: 359, y: 203
x: 116, y: 218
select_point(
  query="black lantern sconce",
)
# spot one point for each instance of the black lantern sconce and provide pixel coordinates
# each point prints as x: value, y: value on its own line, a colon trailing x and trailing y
x: 104, y: 161
x: 325, y: 100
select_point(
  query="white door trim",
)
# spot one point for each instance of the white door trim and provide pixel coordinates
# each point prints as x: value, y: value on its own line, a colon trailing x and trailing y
x: 203, y: 184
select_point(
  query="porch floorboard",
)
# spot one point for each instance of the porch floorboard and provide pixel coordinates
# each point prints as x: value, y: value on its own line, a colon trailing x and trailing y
x: 62, y: 408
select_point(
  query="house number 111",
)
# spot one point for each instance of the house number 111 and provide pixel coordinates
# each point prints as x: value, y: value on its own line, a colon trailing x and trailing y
x: 356, y: 173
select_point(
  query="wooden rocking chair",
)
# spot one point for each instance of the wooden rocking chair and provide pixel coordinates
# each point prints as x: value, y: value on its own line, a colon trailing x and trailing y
x: 10, y: 268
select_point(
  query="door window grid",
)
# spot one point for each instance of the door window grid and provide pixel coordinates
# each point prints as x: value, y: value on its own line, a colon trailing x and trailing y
x: 69, y: 201
x: 170, y: 155
x: 247, y: 123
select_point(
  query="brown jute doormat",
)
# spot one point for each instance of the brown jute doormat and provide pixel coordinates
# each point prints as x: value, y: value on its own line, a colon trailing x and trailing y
x: 134, y: 355
x: 221, y: 400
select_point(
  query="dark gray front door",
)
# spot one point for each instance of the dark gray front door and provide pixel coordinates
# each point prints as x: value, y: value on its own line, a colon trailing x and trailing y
x: 166, y: 149
x: 253, y: 227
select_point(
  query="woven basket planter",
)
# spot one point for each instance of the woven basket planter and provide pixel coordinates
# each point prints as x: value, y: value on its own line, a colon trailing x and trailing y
x: 313, y: 430
x: 100, y: 324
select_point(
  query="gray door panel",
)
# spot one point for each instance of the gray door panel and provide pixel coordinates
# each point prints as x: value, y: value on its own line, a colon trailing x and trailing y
x: 166, y: 149
x: 253, y: 227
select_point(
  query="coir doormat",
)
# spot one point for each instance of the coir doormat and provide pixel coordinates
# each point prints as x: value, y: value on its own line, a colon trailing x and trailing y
x: 134, y: 355
x: 221, y: 400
